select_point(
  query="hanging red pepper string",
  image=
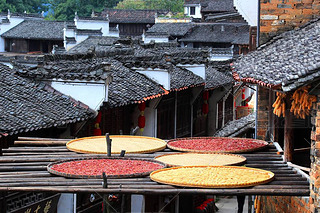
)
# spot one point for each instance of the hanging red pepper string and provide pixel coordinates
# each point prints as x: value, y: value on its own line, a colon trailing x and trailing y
x: 97, y: 130
x: 205, y: 106
x: 243, y: 94
x: 142, y: 118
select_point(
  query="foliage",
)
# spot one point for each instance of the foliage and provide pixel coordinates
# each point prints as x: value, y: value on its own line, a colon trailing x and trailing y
x: 65, y: 9
x: 172, y: 5
x: 21, y: 6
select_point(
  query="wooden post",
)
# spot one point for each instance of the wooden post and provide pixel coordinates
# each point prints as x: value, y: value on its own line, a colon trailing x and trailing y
x: 106, y: 205
x: 108, y: 145
x: 288, y: 132
x: 240, y: 199
x: 123, y: 152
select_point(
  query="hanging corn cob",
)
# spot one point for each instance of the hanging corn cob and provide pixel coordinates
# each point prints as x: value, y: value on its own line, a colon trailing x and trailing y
x: 280, y: 105
x: 302, y: 102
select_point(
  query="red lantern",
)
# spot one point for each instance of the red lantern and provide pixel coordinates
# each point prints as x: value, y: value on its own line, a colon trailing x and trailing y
x: 206, y: 95
x: 141, y: 121
x: 243, y: 95
x: 97, y: 130
x: 205, y: 108
x: 142, y: 106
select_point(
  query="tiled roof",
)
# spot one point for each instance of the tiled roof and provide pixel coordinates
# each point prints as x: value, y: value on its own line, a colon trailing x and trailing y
x: 101, y: 44
x: 237, y: 127
x: 217, y: 6
x: 172, y: 29
x: 130, y: 16
x: 131, y: 51
x: 36, y: 29
x: 89, y: 32
x: 217, y: 76
x: 235, y: 33
x: 27, y: 105
x: 288, y: 60
x: 127, y: 87
x: 181, y: 78
x: 229, y: 16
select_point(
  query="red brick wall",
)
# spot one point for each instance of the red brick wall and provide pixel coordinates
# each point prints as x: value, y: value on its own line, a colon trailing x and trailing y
x: 315, y: 157
x: 282, y: 204
x: 277, y: 16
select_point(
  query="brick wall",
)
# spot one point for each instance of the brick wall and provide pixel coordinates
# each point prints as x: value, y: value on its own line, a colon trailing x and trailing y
x: 315, y: 158
x: 284, y: 204
x: 263, y: 103
x: 277, y: 16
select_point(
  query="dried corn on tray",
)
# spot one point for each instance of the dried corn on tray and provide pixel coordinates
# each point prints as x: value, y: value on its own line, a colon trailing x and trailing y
x: 201, y: 159
x: 212, y: 176
x: 131, y: 144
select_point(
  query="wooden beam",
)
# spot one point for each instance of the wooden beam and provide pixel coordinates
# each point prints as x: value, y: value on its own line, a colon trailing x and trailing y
x: 288, y: 132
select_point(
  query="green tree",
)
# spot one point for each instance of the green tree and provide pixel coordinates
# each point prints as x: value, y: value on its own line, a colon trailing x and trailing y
x: 65, y: 10
x: 21, y: 6
x: 172, y: 5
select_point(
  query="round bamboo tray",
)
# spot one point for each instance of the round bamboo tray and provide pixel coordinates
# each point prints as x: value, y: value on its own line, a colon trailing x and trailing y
x: 212, y: 176
x: 131, y: 144
x: 51, y: 169
x: 216, y: 144
x: 201, y: 159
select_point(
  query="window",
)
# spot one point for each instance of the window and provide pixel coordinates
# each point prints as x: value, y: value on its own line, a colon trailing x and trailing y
x: 192, y: 10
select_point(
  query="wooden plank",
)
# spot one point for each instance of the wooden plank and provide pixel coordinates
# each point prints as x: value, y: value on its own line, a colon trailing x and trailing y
x: 40, y: 143
x: 247, y: 191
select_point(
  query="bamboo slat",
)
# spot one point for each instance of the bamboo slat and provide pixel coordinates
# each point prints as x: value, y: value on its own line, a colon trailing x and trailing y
x: 23, y: 168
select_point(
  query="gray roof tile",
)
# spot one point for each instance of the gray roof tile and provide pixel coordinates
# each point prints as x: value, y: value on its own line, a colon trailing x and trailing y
x: 172, y: 29
x: 27, y: 105
x: 289, y: 60
x: 236, y: 127
x: 36, y: 29
x: 234, y: 33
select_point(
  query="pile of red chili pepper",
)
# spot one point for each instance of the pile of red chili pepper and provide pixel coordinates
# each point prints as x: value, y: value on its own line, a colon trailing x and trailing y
x: 217, y: 144
x: 109, y: 166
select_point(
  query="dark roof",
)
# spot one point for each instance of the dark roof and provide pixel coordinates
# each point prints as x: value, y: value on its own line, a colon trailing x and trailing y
x: 237, y: 127
x: 229, y: 16
x: 181, y: 78
x: 218, y: 76
x: 27, y: 105
x: 288, y: 60
x: 172, y: 29
x: 136, y: 53
x: 89, y: 32
x: 235, y: 33
x: 130, y: 16
x: 100, y: 43
x: 36, y: 29
x: 217, y: 6
x: 127, y: 87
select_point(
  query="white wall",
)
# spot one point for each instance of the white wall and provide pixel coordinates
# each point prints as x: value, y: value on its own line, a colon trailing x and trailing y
x: 197, y: 69
x: 93, y: 25
x: 158, y: 75
x: 148, y: 39
x: 14, y: 21
x: 83, y: 92
x: 248, y: 9
x: 197, y: 10
x: 81, y: 38
x: 113, y: 34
